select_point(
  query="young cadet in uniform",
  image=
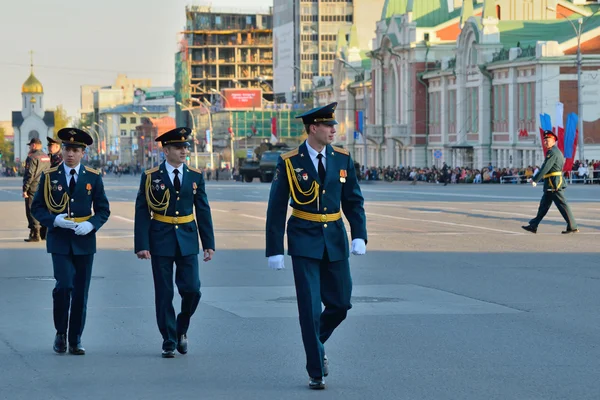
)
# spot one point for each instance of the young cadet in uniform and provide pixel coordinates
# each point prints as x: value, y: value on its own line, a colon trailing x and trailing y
x: 68, y: 194
x: 36, y: 163
x: 319, y: 177
x: 166, y: 232
x: 55, y: 160
x: 554, y: 184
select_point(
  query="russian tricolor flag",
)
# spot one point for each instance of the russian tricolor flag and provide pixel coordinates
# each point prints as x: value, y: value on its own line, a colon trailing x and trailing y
x: 567, y: 138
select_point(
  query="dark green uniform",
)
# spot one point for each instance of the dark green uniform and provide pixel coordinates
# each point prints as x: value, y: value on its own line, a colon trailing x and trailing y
x: 36, y: 164
x: 165, y: 225
x: 554, y: 186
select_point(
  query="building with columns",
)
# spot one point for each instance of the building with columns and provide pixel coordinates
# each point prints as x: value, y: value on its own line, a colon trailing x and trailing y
x: 464, y: 81
x: 509, y: 66
x: 32, y: 121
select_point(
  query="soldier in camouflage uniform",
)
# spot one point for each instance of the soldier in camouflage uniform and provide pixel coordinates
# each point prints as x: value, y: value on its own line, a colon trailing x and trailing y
x: 36, y: 164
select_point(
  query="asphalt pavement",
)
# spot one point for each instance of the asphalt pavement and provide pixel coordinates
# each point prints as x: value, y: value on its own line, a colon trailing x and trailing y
x: 452, y: 301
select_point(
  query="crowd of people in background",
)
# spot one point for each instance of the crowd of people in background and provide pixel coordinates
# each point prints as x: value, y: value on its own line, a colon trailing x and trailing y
x: 582, y: 172
x: 586, y: 172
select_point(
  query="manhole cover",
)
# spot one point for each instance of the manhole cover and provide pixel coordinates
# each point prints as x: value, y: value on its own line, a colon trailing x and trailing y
x: 359, y: 299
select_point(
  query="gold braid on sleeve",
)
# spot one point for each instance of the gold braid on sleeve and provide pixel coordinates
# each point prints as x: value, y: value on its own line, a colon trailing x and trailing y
x: 313, y: 191
x: 52, y: 205
x: 158, y: 206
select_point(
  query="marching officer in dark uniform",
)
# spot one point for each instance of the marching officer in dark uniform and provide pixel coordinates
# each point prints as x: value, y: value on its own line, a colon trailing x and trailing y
x: 321, y: 180
x: 551, y: 172
x: 55, y: 159
x: 36, y: 164
x: 73, y: 206
x: 54, y: 151
x: 167, y: 233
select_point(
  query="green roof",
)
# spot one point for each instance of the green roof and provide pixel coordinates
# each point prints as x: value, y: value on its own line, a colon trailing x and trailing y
x: 426, y: 13
x: 527, y: 33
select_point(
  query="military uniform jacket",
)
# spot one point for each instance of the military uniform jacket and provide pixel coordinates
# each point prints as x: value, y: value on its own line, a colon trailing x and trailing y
x: 53, y: 198
x: 296, y: 177
x: 553, y: 166
x: 35, y: 165
x: 55, y: 159
x: 158, y: 196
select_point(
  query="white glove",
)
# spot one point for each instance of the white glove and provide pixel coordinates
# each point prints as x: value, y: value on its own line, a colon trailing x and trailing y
x: 276, y: 262
x: 533, y: 184
x: 359, y: 247
x: 84, y: 228
x: 61, y: 222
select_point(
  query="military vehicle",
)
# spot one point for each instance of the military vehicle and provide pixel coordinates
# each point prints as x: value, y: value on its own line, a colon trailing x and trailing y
x: 250, y: 170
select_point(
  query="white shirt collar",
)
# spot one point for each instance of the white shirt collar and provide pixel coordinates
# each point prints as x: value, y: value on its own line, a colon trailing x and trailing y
x: 171, y: 168
x: 313, y: 153
x: 68, y: 169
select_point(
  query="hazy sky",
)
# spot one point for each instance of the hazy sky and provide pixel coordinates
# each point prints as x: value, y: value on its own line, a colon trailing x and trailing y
x: 78, y: 42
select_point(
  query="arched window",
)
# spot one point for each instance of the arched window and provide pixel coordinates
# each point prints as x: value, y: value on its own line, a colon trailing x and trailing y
x: 498, y: 12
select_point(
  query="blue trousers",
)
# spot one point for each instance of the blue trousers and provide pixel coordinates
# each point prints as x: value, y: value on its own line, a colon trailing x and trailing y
x: 320, y: 281
x: 73, y: 275
x: 187, y: 278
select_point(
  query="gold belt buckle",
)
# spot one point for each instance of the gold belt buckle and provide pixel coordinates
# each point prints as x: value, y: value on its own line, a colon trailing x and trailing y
x: 323, y: 218
x: 175, y: 220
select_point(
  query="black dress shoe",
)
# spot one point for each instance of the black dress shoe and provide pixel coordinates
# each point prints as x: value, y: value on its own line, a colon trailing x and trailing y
x: 325, y: 366
x: 77, y: 350
x: 182, y: 344
x: 316, y: 383
x: 569, y: 231
x: 168, y: 354
x: 529, y: 228
x: 60, y: 343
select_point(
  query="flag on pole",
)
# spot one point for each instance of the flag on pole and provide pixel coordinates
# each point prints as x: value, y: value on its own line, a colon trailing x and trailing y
x: 560, y: 127
x: 545, y: 125
x: 274, y: 130
x: 570, y: 141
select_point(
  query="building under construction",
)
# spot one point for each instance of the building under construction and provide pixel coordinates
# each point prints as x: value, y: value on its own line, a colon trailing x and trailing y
x: 228, y: 49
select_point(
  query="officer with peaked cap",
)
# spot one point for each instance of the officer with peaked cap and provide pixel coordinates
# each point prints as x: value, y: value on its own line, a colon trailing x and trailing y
x: 166, y: 232
x: 54, y: 151
x: 321, y: 180
x: 73, y: 206
x: 36, y: 163
x: 551, y: 172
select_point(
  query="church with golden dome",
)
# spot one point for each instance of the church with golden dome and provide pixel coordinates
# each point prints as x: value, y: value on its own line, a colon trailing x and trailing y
x: 32, y: 121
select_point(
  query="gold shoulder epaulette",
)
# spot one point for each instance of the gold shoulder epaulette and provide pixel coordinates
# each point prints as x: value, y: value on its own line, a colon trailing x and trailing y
x: 341, y: 150
x: 92, y: 170
x: 151, y: 170
x: 195, y: 170
x: 289, y: 154
x: 54, y: 169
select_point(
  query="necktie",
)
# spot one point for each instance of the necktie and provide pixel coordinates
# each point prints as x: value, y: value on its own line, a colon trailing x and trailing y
x: 72, y: 181
x: 321, y: 168
x: 176, y: 181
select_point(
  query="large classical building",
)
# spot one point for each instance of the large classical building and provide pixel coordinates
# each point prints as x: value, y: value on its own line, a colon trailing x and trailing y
x: 32, y: 121
x: 464, y: 81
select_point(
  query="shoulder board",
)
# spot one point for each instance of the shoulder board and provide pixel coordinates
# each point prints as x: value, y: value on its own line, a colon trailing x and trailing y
x: 92, y: 170
x: 289, y: 154
x: 340, y: 150
x: 151, y: 170
x: 49, y: 171
x: 195, y: 170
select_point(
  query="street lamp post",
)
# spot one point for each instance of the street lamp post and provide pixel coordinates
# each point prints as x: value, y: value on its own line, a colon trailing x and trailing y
x: 97, y: 139
x: 105, y: 141
x: 232, y: 134
x: 189, y: 110
x: 578, y: 31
